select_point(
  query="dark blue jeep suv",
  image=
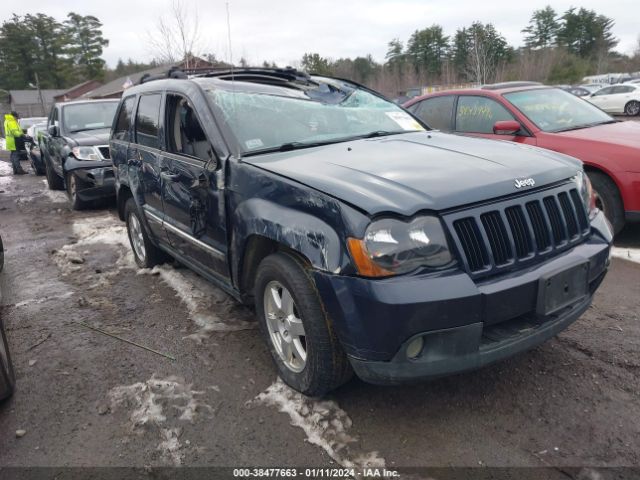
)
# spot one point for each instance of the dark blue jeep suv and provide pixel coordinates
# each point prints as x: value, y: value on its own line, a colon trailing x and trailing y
x: 366, y: 241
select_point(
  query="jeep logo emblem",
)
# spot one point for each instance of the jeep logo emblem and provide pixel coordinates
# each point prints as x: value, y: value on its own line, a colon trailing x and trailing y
x: 525, y: 182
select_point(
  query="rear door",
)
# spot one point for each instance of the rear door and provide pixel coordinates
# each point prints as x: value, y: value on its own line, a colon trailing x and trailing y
x: 55, y: 143
x: 144, y: 157
x: 602, y: 98
x: 193, y: 201
x: 437, y: 112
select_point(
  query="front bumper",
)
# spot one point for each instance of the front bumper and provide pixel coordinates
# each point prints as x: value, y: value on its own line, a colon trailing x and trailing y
x: 96, y: 180
x: 464, y: 324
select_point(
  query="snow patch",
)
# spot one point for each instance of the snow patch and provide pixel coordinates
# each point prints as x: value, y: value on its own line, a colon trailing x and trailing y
x: 631, y: 254
x: 324, y: 423
x: 204, y: 302
x: 153, y: 405
x: 38, y: 301
x: 103, y: 230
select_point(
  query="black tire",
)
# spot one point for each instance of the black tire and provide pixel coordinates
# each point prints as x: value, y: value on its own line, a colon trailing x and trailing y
x: 53, y: 180
x: 326, y: 366
x: 152, y: 254
x: 632, y: 108
x: 608, y: 199
x: 7, y: 375
x: 72, y: 186
x: 1, y: 255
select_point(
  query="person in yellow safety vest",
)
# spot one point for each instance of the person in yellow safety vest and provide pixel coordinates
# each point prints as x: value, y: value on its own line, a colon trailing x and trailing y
x: 11, y: 131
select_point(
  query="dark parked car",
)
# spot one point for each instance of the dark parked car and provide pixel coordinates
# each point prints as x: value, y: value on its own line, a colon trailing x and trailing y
x: 364, y: 241
x: 37, y: 162
x: 553, y: 119
x: 75, y: 150
x: 7, y: 377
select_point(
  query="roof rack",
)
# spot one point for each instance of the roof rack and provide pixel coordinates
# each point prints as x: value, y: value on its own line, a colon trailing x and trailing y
x: 173, y: 72
x: 498, y: 86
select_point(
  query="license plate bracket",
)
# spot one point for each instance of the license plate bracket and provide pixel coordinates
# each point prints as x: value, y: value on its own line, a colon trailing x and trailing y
x: 558, y: 290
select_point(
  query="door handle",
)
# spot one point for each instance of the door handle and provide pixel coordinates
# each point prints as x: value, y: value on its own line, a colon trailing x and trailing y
x: 170, y: 177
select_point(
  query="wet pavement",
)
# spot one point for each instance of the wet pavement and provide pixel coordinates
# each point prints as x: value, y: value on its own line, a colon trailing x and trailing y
x: 204, y: 391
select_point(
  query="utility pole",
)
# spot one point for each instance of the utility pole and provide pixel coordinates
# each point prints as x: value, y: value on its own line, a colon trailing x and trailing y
x: 44, y: 110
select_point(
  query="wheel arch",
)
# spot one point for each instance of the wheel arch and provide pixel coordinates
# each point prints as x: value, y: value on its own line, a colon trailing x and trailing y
x: 589, y: 168
x: 122, y: 195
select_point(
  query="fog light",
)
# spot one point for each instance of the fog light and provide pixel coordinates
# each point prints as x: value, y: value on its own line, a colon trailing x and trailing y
x: 415, y: 347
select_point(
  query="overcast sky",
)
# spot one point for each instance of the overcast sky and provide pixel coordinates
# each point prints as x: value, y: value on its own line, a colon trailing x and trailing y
x: 282, y: 30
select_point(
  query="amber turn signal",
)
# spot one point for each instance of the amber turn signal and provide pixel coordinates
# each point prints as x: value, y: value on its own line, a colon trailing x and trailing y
x: 365, y: 265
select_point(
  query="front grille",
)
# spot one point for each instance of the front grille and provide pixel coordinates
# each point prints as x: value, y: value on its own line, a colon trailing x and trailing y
x: 104, y: 151
x: 494, y: 237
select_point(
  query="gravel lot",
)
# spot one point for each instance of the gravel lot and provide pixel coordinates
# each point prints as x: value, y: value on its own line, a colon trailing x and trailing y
x: 87, y: 399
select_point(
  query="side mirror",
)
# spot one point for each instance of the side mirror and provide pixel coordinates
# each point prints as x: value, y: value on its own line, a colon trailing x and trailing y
x: 53, y: 130
x: 506, y: 127
x: 24, y: 130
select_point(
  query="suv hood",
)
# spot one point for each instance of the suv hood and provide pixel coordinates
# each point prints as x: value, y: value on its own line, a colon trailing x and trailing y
x: 90, y: 137
x: 418, y: 171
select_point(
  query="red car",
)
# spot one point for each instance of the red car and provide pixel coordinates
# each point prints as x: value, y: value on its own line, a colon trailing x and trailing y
x: 551, y: 118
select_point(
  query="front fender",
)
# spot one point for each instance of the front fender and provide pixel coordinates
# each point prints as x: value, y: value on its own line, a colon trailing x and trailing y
x: 306, y: 234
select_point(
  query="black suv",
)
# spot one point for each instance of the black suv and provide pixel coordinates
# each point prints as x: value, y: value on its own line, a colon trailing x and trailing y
x: 75, y: 150
x: 366, y: 241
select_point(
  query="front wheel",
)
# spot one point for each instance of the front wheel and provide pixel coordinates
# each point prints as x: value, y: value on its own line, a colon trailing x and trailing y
x: 632, y: 108
x: 608, y: 199
x: 54, y: 182
x: 301, y: 339
x: 73, y: 184
x: 145, y: 253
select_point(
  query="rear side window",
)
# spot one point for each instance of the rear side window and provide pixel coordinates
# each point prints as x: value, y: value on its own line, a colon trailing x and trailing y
x: 479, y: 114
x: 147, y: 120
x: 436, y: 112
x: 123, y: 124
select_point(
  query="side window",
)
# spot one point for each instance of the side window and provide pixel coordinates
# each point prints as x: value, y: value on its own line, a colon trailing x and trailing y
x: 604, y: 91
x: 436, y: 112
x: 478, y: 114
x: 147, y: 120
x: 185, y: 135
x: 623, y: 89
x: 123, y: 122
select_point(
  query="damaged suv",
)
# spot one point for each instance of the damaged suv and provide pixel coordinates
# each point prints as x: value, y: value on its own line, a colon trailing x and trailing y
x: 366, y: 241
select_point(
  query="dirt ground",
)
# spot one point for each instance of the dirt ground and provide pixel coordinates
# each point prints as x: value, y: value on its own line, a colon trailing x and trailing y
x: 87, y: 399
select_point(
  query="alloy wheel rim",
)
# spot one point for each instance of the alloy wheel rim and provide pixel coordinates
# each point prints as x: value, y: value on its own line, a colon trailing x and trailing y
x: 137, y: 239
x: 286, y: 330
x: 633, y: 108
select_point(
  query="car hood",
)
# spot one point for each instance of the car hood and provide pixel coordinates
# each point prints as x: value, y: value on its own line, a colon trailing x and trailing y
x: 624, y: 133
x: 90, y: 137
x: 418, y: 171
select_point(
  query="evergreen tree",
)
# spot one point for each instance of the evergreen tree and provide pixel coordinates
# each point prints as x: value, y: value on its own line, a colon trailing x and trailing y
x: 542, y: 30
x: 314, y: 63
x: 86, y: 44
x: 427, y: 49
x: 586, y: 34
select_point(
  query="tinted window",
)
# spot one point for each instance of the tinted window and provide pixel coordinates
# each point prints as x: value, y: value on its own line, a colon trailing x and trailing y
x: 623, y: 89
x: 185, y: 135
x: 436, y: 112
x: 123, y: 124
x: 147, y: 120
x: 479, y: 114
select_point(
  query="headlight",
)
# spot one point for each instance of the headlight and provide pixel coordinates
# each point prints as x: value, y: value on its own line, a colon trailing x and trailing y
x: 392, y: 247
x: 586, y: 192
x: 86, y: 153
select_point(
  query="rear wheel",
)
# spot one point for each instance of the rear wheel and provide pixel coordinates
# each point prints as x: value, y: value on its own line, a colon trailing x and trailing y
x: 632, y: 108
x: 54, y: 182
x: 145, y: 253
x: 73, y: 183
x: 608, y: 199
x: 301, y: 339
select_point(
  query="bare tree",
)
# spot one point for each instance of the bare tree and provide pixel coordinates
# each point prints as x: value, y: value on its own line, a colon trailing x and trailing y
x: 176, y: 36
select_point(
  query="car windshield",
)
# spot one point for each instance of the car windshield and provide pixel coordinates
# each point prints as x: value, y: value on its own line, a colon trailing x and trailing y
x: 267, y: 118
x: 554, y: 110
x: 88, y: 116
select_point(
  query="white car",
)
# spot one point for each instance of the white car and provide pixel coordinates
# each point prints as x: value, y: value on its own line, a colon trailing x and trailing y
x: 621, y: 98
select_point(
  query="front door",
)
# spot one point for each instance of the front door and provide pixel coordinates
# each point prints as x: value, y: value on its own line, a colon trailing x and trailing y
x: 145, y: 157
x: 476, y: 116
x: 193, y: 203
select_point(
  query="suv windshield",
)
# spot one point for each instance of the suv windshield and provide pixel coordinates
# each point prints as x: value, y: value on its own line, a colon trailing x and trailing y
x: 267, y: 118
x: 88, y: 116
x: 554, y: 110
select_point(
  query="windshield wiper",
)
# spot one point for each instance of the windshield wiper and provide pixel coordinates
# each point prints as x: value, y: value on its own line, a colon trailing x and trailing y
x: 382, y: 133
x: 289, y: 146
x: 586, y: 125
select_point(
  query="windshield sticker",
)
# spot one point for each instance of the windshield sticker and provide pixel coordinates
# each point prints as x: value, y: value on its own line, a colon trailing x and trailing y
x: 254, y: 143
x: 405, y: 121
